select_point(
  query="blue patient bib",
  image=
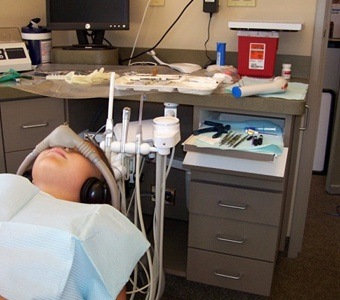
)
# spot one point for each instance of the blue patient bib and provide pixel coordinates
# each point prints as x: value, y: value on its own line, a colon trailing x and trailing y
x: 56, y: 249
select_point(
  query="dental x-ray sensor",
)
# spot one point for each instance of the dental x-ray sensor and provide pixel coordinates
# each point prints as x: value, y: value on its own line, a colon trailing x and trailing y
x: 186, y: 68
x: 278, y: 85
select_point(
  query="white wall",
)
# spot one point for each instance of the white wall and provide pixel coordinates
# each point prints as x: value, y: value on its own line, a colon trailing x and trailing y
x: 191, y: 30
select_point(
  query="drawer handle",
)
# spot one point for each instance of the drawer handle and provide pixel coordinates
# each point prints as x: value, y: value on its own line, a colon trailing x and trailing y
x: 241, y: 207
x: 305, y: 127
x: 34, y: 125
x: 222, y: 239
x: 236, y: 277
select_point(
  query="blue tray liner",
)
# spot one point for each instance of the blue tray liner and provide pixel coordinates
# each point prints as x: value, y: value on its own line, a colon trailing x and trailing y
x: 272, y: 137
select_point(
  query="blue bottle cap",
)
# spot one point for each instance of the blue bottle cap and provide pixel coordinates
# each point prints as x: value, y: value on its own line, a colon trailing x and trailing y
x: 236, y: 91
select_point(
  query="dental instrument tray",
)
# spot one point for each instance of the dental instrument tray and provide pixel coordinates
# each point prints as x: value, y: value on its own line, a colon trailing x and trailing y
x: 186, y: 84
x: 255, y: 140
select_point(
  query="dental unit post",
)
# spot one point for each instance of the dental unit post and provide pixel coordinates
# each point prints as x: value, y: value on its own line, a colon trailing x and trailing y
x: 126, y: 155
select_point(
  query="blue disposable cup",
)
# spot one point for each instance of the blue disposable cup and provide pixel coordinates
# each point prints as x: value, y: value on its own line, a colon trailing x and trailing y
x: 220, y: 54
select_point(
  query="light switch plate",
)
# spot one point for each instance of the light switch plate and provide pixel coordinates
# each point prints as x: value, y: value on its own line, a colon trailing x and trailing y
x: 248, y: 3
x: 157, y: 2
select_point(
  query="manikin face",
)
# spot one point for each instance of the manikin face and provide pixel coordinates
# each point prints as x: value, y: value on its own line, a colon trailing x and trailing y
x: 61, y: 172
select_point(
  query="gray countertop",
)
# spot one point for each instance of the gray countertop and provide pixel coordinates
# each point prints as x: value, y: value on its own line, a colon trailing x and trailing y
x: 218, y: 99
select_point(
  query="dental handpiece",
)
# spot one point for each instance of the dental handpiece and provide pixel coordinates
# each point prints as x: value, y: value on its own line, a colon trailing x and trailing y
x: 125, y: 127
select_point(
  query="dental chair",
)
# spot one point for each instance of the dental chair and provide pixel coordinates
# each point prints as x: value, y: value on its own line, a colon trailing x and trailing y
x: 55, y: 249
x: 63, y: 250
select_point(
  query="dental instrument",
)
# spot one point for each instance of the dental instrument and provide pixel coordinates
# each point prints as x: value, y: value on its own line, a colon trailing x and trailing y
x: 219, y: 128
x: 240, y: 141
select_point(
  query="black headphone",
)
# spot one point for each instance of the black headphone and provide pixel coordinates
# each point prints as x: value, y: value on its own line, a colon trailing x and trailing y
x: 93, y: 191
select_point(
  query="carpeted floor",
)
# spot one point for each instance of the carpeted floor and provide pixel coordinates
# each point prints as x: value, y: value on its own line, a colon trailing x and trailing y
x: 314, y: 274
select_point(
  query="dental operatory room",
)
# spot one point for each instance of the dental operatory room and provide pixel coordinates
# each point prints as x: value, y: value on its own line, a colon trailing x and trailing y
x: 169, y: 149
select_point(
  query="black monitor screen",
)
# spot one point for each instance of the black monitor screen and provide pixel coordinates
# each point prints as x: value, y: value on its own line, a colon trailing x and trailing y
x: 85, y: 15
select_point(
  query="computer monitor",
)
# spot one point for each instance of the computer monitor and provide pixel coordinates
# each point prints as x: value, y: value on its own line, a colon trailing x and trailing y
x: 90, y: 18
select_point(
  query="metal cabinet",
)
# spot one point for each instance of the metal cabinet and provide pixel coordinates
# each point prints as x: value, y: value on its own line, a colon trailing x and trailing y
x: 233, y: 232
x: 236, y: 213
x: 24, y: 124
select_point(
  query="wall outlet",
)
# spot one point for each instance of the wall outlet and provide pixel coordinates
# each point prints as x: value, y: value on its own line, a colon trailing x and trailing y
x: 157, y: 2
x: 170, y: 195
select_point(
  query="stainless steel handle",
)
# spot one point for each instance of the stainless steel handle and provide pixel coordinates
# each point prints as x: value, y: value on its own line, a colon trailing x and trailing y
x: 34, y: 125
x: 235, y: 277
x: 305, y: 127
x: 233, y: 206
x: 222, y: 239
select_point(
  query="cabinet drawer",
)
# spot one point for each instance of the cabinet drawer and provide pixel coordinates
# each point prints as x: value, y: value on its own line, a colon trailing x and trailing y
x: 233, y: 237
x: 14, y: 160
x: 231, y: 272
x: 236, y: 203
x: 26, y: 122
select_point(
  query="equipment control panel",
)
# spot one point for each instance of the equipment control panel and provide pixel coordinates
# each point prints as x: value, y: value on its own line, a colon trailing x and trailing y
x: 13, y: 51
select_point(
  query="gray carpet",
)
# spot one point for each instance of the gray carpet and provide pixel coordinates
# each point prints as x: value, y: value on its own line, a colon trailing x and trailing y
x: 314, y: 274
